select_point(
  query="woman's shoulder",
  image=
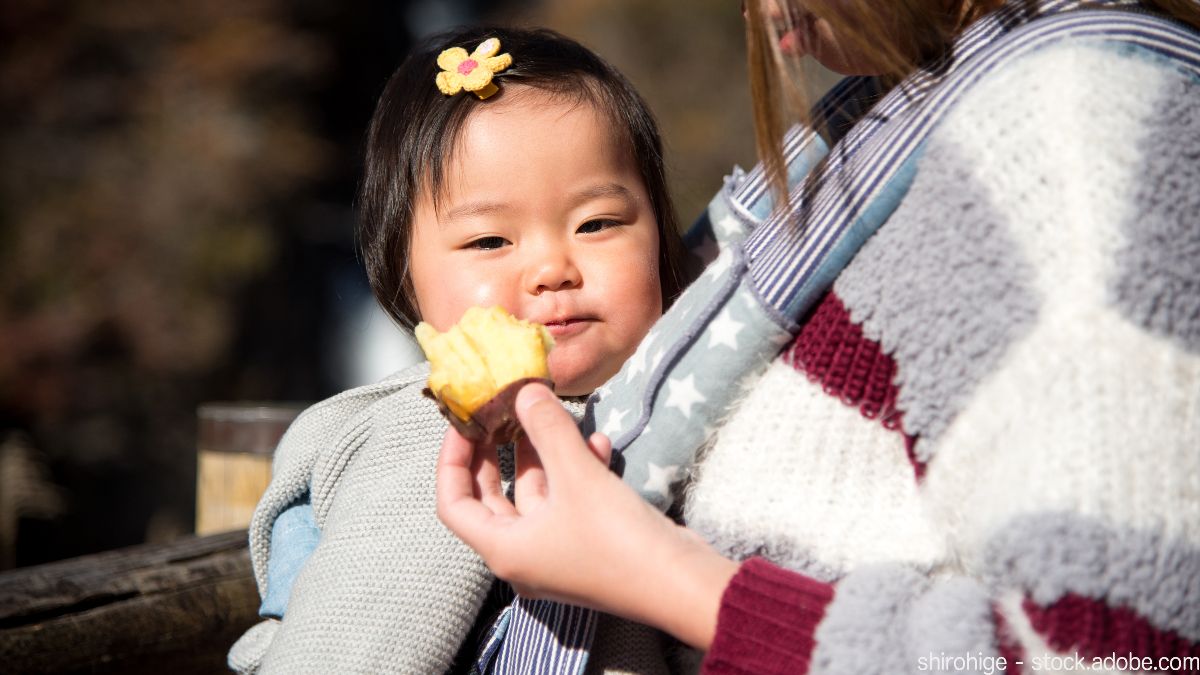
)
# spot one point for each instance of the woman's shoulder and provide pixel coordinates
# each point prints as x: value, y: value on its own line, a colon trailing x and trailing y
x: 1095, y: 63
x: 1084, y: 103
x: 1064, y: 178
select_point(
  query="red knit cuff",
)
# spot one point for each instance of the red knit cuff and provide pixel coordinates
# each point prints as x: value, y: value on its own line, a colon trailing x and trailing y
x: 766, y: 622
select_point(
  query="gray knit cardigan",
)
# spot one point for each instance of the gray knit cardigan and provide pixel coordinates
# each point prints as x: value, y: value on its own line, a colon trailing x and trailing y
x: 388, y: 589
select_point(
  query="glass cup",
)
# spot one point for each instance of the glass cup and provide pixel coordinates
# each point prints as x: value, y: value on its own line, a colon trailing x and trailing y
x: 235, y: 444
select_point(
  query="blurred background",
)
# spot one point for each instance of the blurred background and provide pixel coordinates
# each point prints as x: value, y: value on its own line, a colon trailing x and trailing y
x: 176, y: 222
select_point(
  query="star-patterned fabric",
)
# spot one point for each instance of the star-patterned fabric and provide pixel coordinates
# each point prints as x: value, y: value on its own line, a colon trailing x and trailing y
x: 729, y: 339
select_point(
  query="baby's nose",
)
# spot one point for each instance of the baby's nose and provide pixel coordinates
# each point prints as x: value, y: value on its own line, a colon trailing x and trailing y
x: 554, y: 271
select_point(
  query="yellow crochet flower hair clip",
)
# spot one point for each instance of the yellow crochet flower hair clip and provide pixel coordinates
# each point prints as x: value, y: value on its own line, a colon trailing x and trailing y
x: 473, y: 71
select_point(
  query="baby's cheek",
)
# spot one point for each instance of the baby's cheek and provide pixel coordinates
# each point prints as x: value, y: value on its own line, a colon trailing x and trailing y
x: 497, y: 290
x: 564, y: 363
x: 485, y: 295
x: 456, y: 295
x: 577, y: 370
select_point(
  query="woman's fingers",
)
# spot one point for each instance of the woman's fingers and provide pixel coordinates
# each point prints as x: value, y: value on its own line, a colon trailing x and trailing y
x: 469, y: 474
x: 550, y: 429
x: 579, y: 534
x: 485, y: 467
x: 531, y: 486
x: 463, y: 504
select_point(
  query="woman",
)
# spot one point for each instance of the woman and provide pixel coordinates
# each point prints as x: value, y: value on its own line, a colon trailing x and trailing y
x: 979, y: 449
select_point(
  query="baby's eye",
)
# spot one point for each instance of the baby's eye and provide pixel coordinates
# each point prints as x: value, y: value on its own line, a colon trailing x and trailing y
x: 596, y: 225
x: 487, y: 243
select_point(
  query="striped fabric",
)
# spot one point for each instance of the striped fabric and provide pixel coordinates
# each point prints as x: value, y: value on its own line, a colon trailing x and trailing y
x: 837, y: 111
x: 537, y: 636
x: 492, y: 642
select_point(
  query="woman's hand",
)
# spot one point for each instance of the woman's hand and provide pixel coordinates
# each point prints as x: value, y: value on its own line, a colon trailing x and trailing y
x: 576, y: 533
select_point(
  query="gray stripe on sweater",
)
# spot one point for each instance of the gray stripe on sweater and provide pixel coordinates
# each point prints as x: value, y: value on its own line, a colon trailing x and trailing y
x: 886, y: 618
x: 1158, y: 279
x: 1052, y: 554
x: 948, y: 317
x: 865, y: 627
x: 954, y: 618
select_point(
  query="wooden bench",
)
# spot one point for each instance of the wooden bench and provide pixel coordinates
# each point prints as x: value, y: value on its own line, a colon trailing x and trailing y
x: 156, y: 608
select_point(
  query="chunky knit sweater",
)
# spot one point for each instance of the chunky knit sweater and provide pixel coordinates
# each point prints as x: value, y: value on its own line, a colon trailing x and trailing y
x: 984, y: 442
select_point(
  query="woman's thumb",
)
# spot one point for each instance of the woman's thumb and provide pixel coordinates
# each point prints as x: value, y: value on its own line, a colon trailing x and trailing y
x: 549, y: 428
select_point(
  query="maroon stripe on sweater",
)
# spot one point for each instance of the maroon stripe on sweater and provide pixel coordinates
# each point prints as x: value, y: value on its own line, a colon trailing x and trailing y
x: 832, y: 351
x: 766, y: 622
x: 1091, y: 628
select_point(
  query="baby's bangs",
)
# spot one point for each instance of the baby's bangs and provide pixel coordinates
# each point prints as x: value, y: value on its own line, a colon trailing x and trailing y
x: 575, y: 89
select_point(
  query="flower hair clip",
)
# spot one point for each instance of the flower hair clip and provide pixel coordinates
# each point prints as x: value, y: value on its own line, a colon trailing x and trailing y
x: 472, y: 72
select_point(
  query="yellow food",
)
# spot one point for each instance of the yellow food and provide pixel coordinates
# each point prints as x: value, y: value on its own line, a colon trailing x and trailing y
x: 484, y: 352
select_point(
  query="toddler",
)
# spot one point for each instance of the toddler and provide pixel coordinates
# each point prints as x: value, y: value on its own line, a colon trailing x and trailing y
x: 503, y: 167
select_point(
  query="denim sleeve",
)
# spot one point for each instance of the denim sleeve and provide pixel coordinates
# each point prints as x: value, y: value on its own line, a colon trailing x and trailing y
x: 293, y: 538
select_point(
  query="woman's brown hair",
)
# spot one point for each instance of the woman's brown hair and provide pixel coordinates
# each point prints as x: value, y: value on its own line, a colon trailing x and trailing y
x: 893, y: 38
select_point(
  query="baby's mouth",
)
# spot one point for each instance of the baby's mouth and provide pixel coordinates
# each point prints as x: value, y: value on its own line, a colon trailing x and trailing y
x: 568, y: 326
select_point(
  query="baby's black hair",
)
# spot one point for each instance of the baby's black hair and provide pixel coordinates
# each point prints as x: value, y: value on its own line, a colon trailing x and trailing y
x: 415, y: 128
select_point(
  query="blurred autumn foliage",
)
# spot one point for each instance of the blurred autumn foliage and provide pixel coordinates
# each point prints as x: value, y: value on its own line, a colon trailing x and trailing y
x: 147, y: 151
x: 176, y: 186
x: 145, y: 145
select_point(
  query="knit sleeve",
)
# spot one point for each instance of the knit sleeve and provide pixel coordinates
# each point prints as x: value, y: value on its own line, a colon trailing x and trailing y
x: 771, y: 620
x: 387, y: 587
x: 766, y: 621
x: 1053, y: 393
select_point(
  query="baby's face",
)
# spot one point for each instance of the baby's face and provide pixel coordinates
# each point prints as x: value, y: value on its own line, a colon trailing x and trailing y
x: 545, y: 214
